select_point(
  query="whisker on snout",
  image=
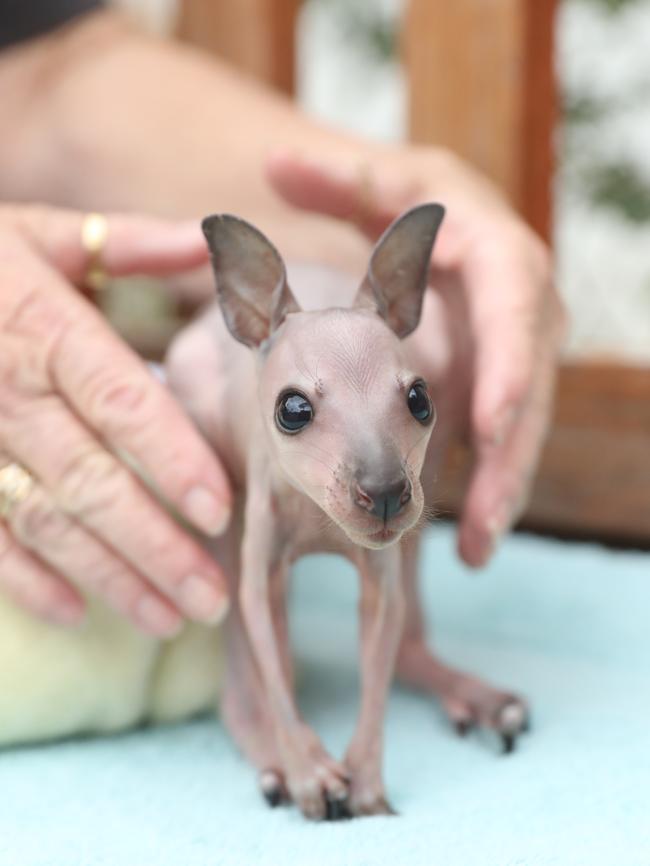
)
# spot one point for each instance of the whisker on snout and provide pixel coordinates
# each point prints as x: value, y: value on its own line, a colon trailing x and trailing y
x: 429, y: 515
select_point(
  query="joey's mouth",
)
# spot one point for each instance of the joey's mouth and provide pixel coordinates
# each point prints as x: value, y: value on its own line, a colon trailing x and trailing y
x: 385, y: 535
x: 379, y: 535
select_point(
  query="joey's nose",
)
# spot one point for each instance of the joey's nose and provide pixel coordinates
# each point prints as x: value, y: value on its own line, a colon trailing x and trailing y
x: 383, y: 501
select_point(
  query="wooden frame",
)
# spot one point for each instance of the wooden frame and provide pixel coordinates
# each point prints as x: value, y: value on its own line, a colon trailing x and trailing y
x: 481, y: 82
x: 594, y: 474
x: 594, y: 477
x: 257, y: 36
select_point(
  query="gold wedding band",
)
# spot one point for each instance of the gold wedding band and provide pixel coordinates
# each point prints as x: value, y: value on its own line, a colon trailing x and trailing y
x: 94, y: 232
x: 15, y: 486
x: 364, y: 206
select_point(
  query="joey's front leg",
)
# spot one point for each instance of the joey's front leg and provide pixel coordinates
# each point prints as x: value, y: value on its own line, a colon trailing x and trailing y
x: 313, y: 779
x: 381, y: 610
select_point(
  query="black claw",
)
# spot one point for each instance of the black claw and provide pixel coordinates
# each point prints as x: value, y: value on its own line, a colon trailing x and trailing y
x: 508, y: 742
x: 273, y: 788
x: 462, y: 727
x: 337, y: 809
x: 274, y: 796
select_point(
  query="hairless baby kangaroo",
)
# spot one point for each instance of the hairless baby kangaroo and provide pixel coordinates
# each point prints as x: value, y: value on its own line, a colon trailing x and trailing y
x: 325, y: 423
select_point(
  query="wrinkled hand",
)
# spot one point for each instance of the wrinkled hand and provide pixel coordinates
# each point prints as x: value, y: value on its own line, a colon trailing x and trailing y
x: 73, y: 397
x: 505, y: 314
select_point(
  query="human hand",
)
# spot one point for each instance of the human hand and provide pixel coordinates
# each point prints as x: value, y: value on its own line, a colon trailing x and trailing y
x: 505, y: 315
x: 75, y: 403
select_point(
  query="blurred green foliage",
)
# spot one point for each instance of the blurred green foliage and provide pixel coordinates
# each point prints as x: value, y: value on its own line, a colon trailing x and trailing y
x: 380, y: 34
x: 620, y: 186
x: 615, y: 5
x: 580, y: 108
x: 368, y: 25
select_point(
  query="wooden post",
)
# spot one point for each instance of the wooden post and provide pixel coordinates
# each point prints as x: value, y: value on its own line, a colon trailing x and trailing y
x: 482, y: 83
x: 594, y: 475
x: 256, y: 36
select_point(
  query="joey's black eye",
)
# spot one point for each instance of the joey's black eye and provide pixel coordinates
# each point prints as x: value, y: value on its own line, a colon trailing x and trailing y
x: 419, y: 403
x: 293, y: 412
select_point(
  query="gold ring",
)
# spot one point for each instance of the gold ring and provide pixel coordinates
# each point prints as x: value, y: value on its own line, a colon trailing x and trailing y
x: 94, y: 232
x: 364, y: 206
x: 15, y: 486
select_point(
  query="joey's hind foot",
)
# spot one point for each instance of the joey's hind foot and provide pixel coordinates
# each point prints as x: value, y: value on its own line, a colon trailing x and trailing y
x: 510, y: 720
x: 467, y: 701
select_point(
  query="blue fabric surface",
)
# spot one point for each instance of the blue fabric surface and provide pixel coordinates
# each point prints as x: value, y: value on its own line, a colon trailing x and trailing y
x: 567, y: 625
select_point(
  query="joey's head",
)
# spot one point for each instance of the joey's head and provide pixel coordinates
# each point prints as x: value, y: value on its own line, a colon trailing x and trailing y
x: 347, y: 417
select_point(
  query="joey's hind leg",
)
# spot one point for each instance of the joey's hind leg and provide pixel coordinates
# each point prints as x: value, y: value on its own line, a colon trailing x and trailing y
x: 467, y: 701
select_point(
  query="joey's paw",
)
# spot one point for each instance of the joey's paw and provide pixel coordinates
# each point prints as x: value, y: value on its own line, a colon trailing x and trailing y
x: 273, y: 787
x: 316, y: 783
x: 513, y: 719
x: 338, y: 809
x: 367, y: 796
x: 320, y: 791
x: 505, y: 714
x: 370, y: 803
x: 329, y: 805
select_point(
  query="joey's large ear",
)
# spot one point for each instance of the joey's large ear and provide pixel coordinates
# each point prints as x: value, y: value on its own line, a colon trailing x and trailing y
x: 251, y: 279
x: 399, y: 268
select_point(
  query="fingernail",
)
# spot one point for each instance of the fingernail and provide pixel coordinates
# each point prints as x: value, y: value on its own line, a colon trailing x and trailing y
x: 503, y: 425
x: 488, y: 550
x: 205, y: 511
x: 497, y: 526
x: 156, y: 617
x: 202, y: 601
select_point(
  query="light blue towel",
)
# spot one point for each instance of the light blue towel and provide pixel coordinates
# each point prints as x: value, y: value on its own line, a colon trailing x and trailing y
x: 567, y: 625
